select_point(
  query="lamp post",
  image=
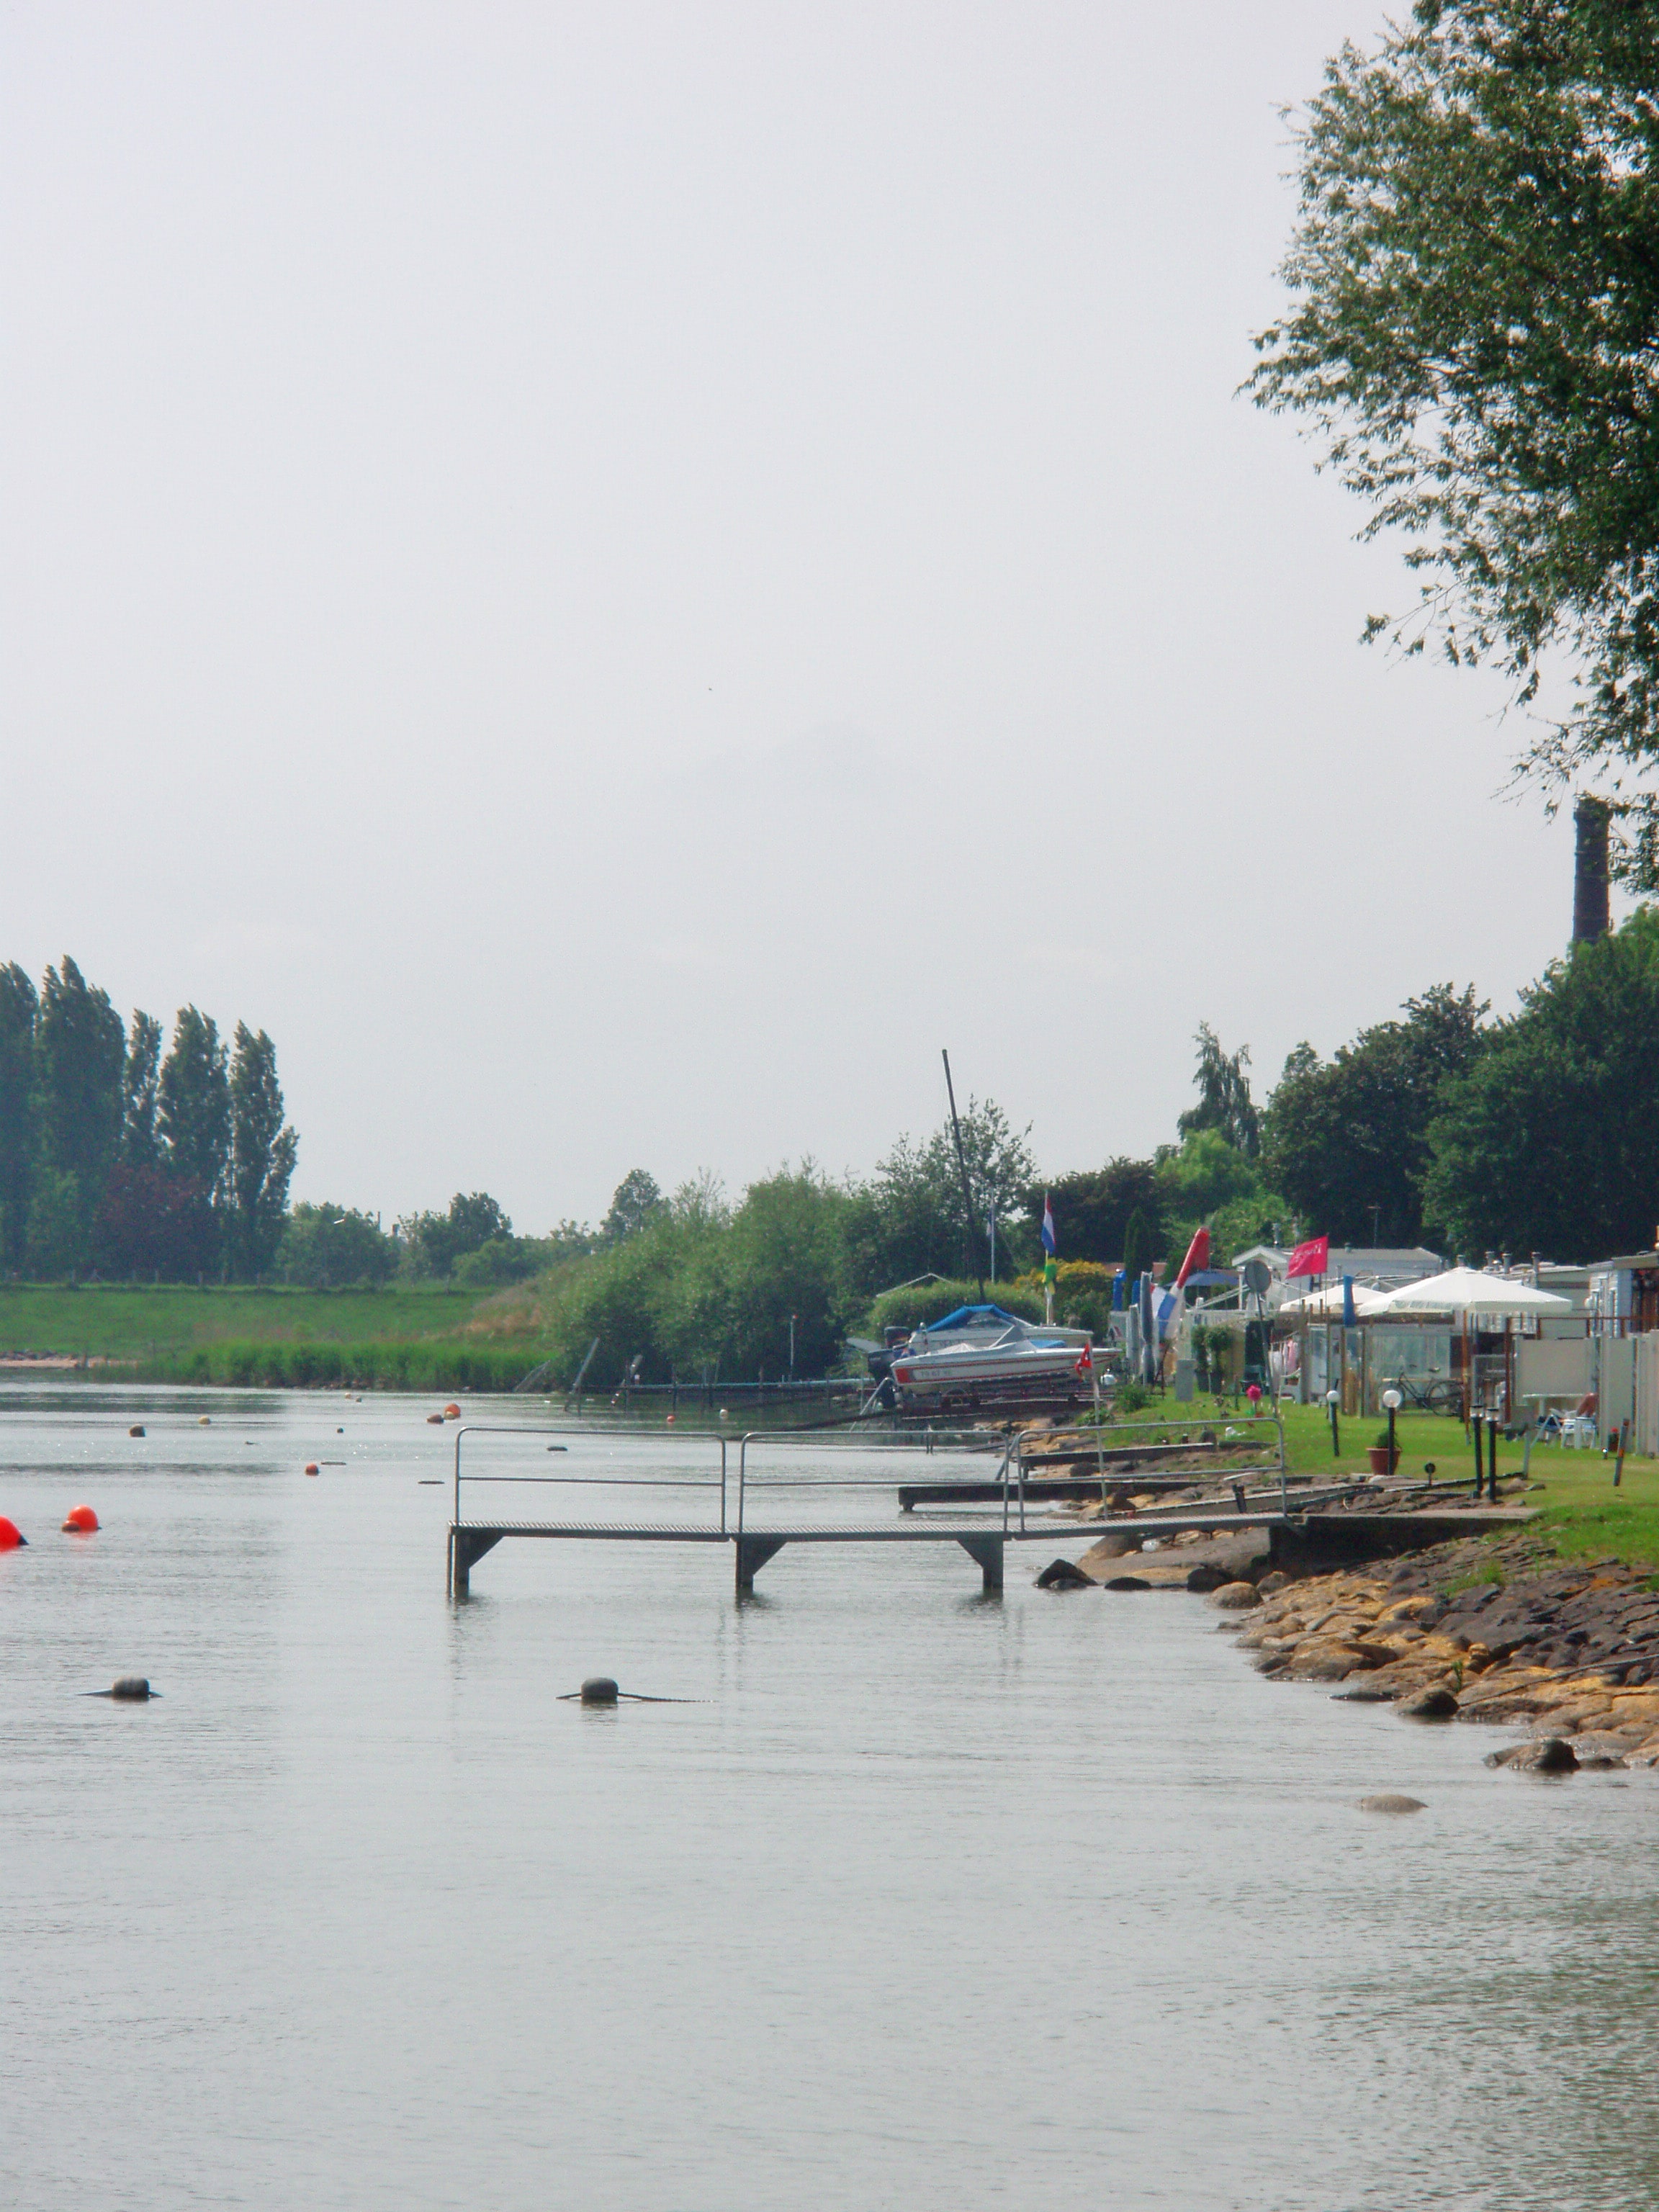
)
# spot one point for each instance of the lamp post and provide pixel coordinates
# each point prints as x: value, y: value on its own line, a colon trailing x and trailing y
x: 1332, y: 1399
x: 1392, y: 1402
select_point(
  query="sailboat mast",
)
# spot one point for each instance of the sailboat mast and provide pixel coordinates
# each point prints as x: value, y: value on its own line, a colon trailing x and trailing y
x: 961, y: 1164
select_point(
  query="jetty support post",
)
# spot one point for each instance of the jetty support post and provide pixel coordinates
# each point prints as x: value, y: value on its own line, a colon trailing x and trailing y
x: 986, y: 1551
x: 466, y: 1547
x: 752, y: 1553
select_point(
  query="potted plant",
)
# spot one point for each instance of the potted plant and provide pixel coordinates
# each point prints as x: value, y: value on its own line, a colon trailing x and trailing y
x: 1383, y: 1462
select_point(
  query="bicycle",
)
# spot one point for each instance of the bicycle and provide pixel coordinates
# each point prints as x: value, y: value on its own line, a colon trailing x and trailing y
x: 1431, y: 1394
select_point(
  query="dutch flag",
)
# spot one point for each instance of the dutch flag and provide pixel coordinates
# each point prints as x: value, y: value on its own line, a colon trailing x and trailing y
x: 1048, y: 1244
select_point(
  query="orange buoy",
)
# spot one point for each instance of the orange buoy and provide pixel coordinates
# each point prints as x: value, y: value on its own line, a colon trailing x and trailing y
x: 11, y: 1535
x: 312, y: 1468
x: 82, y: 1522
x: 670, y: 1422
x: 452, y: 1412
x: 434, y: 1420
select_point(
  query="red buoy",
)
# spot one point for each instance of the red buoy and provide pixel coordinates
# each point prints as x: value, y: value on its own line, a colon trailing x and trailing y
x: 452, y: 1412
x: 11, y: 1535
x: 312, y: 1468
x: 82, y: 1522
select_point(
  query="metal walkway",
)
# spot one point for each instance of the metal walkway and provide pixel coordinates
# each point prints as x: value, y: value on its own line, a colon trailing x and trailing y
x: 759, y: 1514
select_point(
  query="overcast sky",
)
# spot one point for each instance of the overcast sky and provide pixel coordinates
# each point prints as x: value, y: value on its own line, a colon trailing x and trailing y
x: 617, y: 576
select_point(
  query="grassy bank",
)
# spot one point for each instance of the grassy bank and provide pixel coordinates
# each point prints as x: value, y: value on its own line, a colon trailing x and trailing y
x: 1580, y: 1515
x: 121, y: 1322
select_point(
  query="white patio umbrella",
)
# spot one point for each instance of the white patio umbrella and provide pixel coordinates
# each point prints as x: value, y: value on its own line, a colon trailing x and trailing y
x: 1327, y: 1305
x: 1466, y: 1290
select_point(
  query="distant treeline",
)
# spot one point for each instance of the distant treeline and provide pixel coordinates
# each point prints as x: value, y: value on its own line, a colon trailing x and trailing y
x: 1532, y: 1134
x: 118, y: 1160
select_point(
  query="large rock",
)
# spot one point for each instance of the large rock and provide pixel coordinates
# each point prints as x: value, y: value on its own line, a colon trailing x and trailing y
x: 1060, y: 1574
x: 1235, y: 1597
x: 1315, y: 1661
x: 1436, y: 1703
x: 1113, y: 1547
x: 1127, y: 1583
x: 1547, y: 1754
x: 1208, y: 1577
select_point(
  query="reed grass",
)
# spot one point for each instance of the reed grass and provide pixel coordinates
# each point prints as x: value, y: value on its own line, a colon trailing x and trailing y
x: 377, y: 1365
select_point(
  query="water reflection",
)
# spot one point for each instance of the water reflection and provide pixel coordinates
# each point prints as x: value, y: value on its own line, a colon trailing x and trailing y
x: 935, y: 1901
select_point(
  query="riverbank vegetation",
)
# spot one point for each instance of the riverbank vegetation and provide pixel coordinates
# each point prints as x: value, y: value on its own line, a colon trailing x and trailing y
x: 1405, y: 1134
x: 120, y: 1321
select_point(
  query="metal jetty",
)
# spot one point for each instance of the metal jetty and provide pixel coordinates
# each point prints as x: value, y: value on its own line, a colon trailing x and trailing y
x: 731, y: 1498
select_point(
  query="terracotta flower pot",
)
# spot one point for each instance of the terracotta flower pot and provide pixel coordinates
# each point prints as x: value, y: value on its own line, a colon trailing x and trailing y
x: 1383, y: 1462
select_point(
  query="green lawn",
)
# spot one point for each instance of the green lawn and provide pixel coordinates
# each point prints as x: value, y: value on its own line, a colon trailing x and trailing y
x: 107, y: 1321
x: 1580, y: 1514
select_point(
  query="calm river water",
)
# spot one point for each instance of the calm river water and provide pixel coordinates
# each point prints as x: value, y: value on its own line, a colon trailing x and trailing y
x: 931, y: 1901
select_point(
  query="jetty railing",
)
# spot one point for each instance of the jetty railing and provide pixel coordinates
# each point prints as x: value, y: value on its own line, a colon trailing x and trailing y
x: 1138, y: 1462
x: 813, y: 1484
x: 808, y: 1484
x: 584, y: 1476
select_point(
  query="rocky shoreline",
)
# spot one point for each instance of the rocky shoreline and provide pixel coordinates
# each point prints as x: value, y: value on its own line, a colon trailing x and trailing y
x: 1502, y: 1632
x: 1506, y: 1633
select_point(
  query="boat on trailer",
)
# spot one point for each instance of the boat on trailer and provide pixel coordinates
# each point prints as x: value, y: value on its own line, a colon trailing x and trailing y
x: 981, y: 1358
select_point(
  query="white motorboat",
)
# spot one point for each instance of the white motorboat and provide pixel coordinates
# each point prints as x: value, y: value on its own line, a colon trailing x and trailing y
x: 980, y: 1356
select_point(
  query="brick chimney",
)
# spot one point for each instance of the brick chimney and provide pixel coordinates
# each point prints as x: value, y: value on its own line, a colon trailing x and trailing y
x: 1589, y: 874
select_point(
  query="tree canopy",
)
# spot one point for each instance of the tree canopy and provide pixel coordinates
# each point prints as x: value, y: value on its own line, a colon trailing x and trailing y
x: 1348, y: 1139
x: 1549, y: 1142
x: 435, y: 1243
x: 1472, y: 334
x: 634, y: 1200
x: 1224, y: 1095
x: 325, y: 1247
x: 114, y: 1159
x: 1093, y: 1207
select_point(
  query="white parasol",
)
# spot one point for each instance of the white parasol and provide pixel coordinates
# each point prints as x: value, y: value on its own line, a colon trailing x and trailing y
x: 1466, y: 1290
x: 1327, y: 1305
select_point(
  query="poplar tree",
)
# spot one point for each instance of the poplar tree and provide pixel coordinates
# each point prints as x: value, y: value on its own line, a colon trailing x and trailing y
x: 141, y: 1143
x: 193, y: 1104
x: 262, y: 1155
x: 80, y: 1048
x: 19, y: 1007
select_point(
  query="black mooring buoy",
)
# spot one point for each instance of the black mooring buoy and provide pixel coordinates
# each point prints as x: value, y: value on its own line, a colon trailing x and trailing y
x: 130, y: 1689
x: 600, y: 1689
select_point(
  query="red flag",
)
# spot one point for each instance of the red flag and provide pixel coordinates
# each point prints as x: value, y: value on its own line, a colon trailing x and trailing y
x: 1313, y: 1258
x: 1198, y: 1256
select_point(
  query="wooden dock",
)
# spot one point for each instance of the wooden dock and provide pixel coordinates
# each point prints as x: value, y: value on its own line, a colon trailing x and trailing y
x: 760, y: 1518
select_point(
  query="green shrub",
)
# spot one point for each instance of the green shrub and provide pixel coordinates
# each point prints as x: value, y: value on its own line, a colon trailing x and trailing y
x: 916, y: 1303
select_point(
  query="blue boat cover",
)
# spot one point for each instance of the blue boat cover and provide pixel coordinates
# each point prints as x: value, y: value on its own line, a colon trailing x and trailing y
x: 965, y: 1315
